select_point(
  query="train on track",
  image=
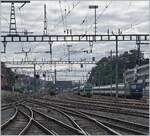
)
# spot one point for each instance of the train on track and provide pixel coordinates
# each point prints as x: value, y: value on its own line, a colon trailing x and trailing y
x: 86, y: 90
x: 133, y: 90
x: 53, y: 91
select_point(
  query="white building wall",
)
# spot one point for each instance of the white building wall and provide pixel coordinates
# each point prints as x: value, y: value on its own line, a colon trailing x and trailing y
x: 140, y: 73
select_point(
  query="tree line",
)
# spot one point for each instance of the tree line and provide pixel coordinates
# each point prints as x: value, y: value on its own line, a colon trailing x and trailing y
x: 104, y: 71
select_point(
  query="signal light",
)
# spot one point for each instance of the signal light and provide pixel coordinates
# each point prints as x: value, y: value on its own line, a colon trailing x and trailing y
x: 37, y: 76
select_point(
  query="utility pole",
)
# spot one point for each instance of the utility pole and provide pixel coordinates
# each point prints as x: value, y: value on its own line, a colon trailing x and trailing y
x: 68, y: 47
x: 138, y: 55
x: 45, y: 33
x: 99, y: 79
x: 50, y: 51
x: 55, y: 79
x: 45, y: 21
x: 138, y: 51
x: 4, y: 44
x: 116, y: 68
x: 111, y: 71
x: 34, y: 78
x: 55, y: 76
x: 94, y: 7
x: 12, y: 24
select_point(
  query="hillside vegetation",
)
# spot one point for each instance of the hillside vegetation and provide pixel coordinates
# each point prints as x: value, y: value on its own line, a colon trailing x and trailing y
x: 104, y: 71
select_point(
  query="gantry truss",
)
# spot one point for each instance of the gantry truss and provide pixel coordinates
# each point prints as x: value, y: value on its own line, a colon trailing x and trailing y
x: 47, y: 71
x: 73, y: 38
x: 47, y: 62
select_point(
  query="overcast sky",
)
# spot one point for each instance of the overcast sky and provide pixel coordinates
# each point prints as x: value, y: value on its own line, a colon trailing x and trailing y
x: 129, y: 16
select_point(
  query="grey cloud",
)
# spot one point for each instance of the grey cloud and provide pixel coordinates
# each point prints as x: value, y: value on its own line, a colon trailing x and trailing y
x: 119, y: 14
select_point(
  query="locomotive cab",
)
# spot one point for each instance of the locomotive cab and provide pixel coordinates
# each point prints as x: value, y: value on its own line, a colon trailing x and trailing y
x: 136, y: 90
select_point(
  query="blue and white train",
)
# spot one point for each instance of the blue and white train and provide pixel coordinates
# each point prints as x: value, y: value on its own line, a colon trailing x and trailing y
x: 133, y: 90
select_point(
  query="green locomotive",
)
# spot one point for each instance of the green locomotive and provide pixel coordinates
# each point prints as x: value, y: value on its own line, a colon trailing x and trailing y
x: 86, y: 90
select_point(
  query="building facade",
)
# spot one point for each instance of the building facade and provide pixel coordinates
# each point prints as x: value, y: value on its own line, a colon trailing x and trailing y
x: 140, y: 74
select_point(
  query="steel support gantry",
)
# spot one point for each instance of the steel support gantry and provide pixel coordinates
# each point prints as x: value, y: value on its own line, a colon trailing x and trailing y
x: 138, y: 38
x: 47, y: 62
x: 73, y: 38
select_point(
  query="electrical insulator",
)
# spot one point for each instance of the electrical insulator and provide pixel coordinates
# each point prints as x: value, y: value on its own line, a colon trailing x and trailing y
x: 44, y: 75
x: 91, y: 46
x: 37, y: 76
x: 93, y: 58
x: 67, y: 31
x: 70, y: 31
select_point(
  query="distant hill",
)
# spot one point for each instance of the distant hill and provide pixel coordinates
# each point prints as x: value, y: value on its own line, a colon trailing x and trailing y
x: 105, y: 69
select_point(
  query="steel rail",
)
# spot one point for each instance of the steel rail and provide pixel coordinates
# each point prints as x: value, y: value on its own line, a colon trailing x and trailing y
x: 31, y: 118
x: 108, y: 124
x: 126, y: 105
x: 89, y: 118
x: 59, y: 122
x: 107, y: 128
x: 113, y: 100
x: 5, y: 108
x: 10, y: 104
x: 10, y: 119
x: 63, y: 113
x: 122, y: 122
x: 101, y: 107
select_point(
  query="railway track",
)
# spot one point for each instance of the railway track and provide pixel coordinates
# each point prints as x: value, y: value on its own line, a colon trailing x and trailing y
x: 20, y: 122
x: 107, y: 102
x: 57, y: 126
x: 60, y: 120
x: 121, y: 126
x: 28, y: 121
x: 55, y: 113
x: 44, y: 117
x: 15, y: 102
x: 117, y: 126
x: 8, y: 114
x: 100, y: 98
x: 14, y: 125
x: 33, y: 126
x: 108, y: 99
x: 87, y: 124
x: 122, y: 100
x: 97, y: 107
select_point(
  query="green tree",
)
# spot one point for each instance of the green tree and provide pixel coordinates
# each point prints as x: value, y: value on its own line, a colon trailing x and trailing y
x: 104, y: 71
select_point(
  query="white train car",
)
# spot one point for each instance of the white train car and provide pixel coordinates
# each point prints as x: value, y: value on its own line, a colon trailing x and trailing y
x: 108, y: 90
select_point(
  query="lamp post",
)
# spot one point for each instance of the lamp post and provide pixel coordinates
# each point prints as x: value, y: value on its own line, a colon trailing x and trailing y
x: 94, y: 7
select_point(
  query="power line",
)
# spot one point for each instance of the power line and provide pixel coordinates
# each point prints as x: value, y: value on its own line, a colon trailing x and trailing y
x: 106, y: 7
x: 62, y: 15
x: 67, y: 14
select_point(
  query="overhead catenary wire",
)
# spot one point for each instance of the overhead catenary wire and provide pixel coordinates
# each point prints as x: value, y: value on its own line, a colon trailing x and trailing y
x: 102, y: 12
x: 62, y: 16
x: 130, y: 26
x: 67, y: 14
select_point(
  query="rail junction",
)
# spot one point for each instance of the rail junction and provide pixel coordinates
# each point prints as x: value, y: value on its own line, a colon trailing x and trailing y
x: 35, y: 105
